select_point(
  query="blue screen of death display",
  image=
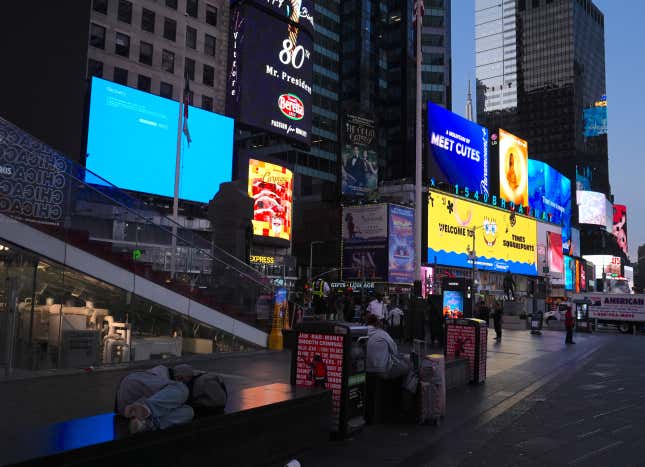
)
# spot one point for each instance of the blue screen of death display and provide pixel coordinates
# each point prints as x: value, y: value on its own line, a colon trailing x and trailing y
x: 457, y: 150
x: 132, y: 143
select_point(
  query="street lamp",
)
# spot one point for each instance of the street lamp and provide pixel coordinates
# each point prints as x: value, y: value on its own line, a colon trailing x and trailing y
x: 311, y: 254
x: 473, y: 256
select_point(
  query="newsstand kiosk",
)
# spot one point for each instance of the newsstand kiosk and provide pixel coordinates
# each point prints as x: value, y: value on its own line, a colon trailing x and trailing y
x: 468, y: 338
x: 329, y: 354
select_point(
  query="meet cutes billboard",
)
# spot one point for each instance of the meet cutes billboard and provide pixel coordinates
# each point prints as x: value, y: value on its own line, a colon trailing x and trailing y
x: 550, y: 198
x: 271, y: 187
x: 365, y: 253
x: 457, y: 150
x: 504, y: 241
x: 360, y: 159
x: 513, y: 169
x: 269, y: 84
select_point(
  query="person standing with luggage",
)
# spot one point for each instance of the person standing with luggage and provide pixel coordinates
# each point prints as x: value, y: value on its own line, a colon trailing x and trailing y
x: 497, y: 320
x: 569, y: 322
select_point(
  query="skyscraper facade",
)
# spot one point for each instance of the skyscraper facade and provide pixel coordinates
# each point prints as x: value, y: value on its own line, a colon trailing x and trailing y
x: 541, y: 75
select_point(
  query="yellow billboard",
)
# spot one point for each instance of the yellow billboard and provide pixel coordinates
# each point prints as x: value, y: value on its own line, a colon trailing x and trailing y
x: 271, y: 187
x: 513, y: 169
x: 504, y: 241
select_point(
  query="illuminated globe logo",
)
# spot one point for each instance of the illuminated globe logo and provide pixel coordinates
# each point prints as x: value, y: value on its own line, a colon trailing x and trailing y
x: 291, y: 106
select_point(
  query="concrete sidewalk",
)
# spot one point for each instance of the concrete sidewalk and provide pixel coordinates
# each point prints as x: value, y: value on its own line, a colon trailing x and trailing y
x: 515, y: 365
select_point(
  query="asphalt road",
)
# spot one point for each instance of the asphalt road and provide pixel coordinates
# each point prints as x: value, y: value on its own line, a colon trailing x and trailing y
x: 591, y: 415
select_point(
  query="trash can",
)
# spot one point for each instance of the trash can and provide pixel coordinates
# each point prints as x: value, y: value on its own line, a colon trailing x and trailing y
x: 468, y: 338
x: 536, y: 320
x: 331, y: 355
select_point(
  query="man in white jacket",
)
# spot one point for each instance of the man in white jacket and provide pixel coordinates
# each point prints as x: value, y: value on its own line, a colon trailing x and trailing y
x: 383, y: 357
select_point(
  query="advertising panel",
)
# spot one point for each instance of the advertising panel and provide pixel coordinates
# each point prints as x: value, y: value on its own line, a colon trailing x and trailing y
x: 366, y: 223
x: 549, y: 252
x: 453, y: 304
x: 554, y: 252
x: 575, y: 242
x: 550, y: 194
x: 577, y: 270
x: 583, y: 276
x: 271, y: 187
x: 595, y: 121
x: 365, y: 254
x: 504, y: 241
x: 131, y: 131
x: 569, y: 273
x: 608, y: 264
x: 592, y: 208
x: 360, y: 160
x: 620, y: 226
x: 457, y: 150
x: 513, y: 169
x: 401, y: 245
x: 623, y: 307
x: 365, y: 262
x: 629, y: 276
x: 269, y: 85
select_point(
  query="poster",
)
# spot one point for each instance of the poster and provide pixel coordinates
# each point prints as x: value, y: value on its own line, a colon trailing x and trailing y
x: 365, y: 262
x: 554, y: 252
x: 360, y: 159
x: 320, y: 364
x: 513, y: 169
x: 271, y: 187
x: 401, y: 245
x: 365, y: 223
x: 453, y: 304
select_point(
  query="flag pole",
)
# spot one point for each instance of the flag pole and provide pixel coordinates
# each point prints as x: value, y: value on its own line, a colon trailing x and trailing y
x: 418, y: 182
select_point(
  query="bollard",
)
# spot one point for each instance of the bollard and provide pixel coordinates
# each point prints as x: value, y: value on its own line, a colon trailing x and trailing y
x: 275, y: 337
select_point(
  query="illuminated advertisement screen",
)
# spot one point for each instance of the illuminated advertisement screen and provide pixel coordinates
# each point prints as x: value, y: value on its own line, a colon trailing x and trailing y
x: 271, y: 187
x: 550, y: 194
x: 569, y: 273
x: 595, y: 121
x: 503, y: 241
x: 620, y: 226
x: 608, y: 264
x: 554, y: 252
x: 457, y: 150
x: 577, y: 269
x: 453, y: 304
x: 401, y: 245
x: 592, y: 208
x: 365, y: 239
x: 583, y: 277
x: 132, y: 143
x: 513, y: 169
x: 269, y: 84
x: 360, y: 160
x: 575, y: 242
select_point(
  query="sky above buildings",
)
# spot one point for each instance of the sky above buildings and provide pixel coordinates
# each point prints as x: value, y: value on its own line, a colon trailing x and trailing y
x: 625, y: 67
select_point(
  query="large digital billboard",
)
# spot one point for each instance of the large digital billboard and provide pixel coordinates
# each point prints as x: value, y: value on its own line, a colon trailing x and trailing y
x: 608, y: 264
x: 550, y: 194
x: 592, y: 208
x: 401, y: 245
x: 269, y: 85
x: 271, y: 187
x: 575, y: 242
x: 554, y: 252
x: 360, y: 160
x: 504, y: 241
x: 513, y: 169
x: 364, y: 231
x: 595, y: 121
x: 457, y: 150
x: 620, y: 226
x: 569, y: 273
x: 132, y: 143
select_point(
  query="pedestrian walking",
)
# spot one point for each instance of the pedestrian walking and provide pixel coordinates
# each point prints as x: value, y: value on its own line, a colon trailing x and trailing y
x: 497, y: 320
x: 568, y: 324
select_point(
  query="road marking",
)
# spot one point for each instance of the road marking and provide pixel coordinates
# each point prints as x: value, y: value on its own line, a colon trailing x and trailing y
x: 593, y: 453
x: 619, y: 409
x: 622, y: 428
x: 572, y: 423
x: 590, y: 434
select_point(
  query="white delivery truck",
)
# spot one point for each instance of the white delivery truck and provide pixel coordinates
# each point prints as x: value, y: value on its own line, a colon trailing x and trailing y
x: 621, y: 310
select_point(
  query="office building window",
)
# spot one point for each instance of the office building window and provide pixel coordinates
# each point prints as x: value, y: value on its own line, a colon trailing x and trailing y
x: 191, y: 8
x: 170, y: 29
x: 97, y: 36
x: 208, y: 75
x: 191, y: 37
x: 94, y: 68
x: 144, y: 83
x: 171, y: 4
x: 122, y: 45
x: 433, y: 21
x: 209, y: 45
x: 145, y: 53
x: 148, y: 20
x: 165, y: 90
x: 168, y: 61
x: 189, y: 68
x: 100, y: 6
x: 207, y: 103
x: 211, y: 15
x: 120, y: 76
x: 125, y: 11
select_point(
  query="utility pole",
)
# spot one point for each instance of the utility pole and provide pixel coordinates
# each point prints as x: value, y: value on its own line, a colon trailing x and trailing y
x: 419, y: 11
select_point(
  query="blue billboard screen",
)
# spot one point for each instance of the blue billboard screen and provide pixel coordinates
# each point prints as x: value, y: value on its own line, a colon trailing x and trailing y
x: 457, y: 150
x: 401, y: 245
x: 132, y: 143
x: 550, y: 194
x: 595, y: 119
x: 569, y: 272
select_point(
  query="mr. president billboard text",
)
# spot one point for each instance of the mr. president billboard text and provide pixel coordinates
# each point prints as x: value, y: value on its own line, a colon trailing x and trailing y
x: 270, y: 67
x: 457, y: 150
x: 504, y: 241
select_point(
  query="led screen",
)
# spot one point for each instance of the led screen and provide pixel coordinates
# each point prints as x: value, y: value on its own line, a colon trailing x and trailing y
x: 453, y: 304
x: 554, y: 252
x: 550, y: 194
x: 592, y: 208
x: 608, y: 264
x: 504, y: 241
x: 595, y: 120
x: 401, y: 245
x: 457, y: 150
x: 271, y: 187
x: 132, y: 143
x: 365, y: 238
x: 569, y: 273
x: 513, y: 169
x: 575, y: 242
x: 269, y: 81
x: 620, y: 226
x: 360, y: 160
